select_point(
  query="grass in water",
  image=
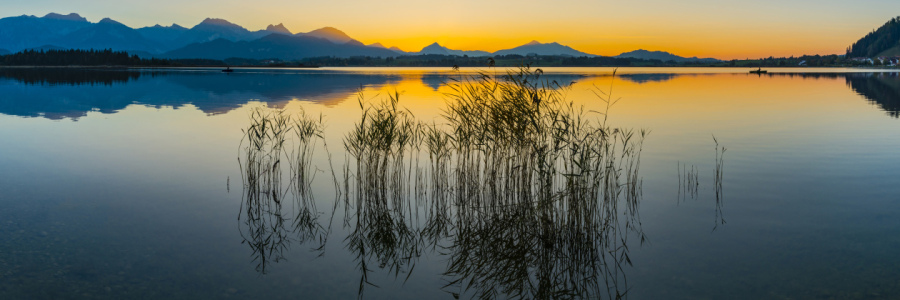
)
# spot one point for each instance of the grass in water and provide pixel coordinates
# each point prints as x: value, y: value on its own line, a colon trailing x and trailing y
x: 720, y: 172
x: 527, y: 195
x: 266, y: 225
x: 523, y: 194
x: 381, y: 145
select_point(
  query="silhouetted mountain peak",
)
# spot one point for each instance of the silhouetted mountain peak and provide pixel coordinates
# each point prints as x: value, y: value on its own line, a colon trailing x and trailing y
x: 109, y: 21
x: 218, y: 22
x: 69, y: 17
x: 392, y: 48
x: 329, y: 29
x: 354, y: 43
x: 278, y: 28
x: 642, y: 51
x: 435, y: 48
x: 173, y: 26
x: 329, y: 33
x: 538, y: 48
x: 660, y: 55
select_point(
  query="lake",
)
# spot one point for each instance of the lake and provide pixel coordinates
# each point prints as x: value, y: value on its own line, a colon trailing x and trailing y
x: 150, y: 184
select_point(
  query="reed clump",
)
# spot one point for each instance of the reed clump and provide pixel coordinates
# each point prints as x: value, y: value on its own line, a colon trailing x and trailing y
x: 527, y: 194
x: 557, y: 189
x: 273, y: 139
x: 382, y: 145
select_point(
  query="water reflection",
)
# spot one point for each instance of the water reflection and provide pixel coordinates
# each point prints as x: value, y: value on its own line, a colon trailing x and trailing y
x: 645, y: 78
x: 67, y: 76
x: 72, y: 93
x: 689, y: 183
x: 882, y: 89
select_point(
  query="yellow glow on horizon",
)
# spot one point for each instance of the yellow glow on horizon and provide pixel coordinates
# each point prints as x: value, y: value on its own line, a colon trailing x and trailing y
x: 710, y: 42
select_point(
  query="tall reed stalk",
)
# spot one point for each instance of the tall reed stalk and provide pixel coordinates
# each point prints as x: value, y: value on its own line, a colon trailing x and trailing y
x: 720, y: 172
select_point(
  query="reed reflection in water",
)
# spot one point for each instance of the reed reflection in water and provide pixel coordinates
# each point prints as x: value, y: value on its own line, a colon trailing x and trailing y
x: 525, y: 195
x: 720, y: 172
x: 522, y: 193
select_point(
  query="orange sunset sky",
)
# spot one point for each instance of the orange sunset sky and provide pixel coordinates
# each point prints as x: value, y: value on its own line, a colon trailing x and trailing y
x: 724, y: 29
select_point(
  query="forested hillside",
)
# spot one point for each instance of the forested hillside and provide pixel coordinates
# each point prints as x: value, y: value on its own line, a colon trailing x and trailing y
x: 884, y: 41
x: 76, y: 58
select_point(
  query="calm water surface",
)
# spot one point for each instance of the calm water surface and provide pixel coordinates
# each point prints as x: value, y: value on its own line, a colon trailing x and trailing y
x: 127, y: 184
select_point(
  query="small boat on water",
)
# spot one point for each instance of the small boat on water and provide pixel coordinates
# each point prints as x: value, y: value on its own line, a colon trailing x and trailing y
x: 228, y: 70
x: 759, y: 71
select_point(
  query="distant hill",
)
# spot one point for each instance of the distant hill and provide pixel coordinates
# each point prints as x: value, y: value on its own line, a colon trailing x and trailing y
x: 278, y: 29
x: 379, y: 45
x: 276, y: 46
x: 663, y: 56
x: 884, y: 41
x: 22, y: 32
x: 4, y: 52
x: 70, y: 17
x: 107, y: 34
x: 162, y: 34
x: 212, y: 29
x: 437, y: 49
x: 537, y: 48
x: 329, y: 33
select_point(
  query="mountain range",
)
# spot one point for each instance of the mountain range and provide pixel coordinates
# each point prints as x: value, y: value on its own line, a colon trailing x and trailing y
x: 663, y: 56
x: 219, y: 39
